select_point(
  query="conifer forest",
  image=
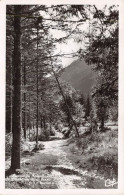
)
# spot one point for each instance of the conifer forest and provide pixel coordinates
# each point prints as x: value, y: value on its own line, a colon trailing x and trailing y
x: 61, y: 96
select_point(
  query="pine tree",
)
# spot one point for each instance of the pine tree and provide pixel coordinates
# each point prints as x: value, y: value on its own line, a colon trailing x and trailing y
x: 102, y: 51
x: 22, y: 31
x: 16, y: 121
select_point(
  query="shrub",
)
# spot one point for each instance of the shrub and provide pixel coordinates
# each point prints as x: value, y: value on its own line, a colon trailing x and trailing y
x: 106, y: 163
x: 95, y: 137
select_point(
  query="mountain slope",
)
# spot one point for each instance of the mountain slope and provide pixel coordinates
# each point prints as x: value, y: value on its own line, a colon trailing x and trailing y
x: 80, y: 76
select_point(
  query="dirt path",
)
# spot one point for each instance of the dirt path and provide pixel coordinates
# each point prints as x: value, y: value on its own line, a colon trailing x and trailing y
x: 47, y: 169
x: 51, y: 169
x: 63, y: 172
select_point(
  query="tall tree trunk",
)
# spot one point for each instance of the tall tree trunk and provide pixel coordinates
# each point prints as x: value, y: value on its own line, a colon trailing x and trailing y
x: 33, y: 116
x: 69, y: 121
x: 29, y: 115
x: 44, y: 123
x: 41, y: 122
x: 60, y: 88
x: 11, y: 98
x: 37, y: 92
x: 102, y: 123
x: 25, y: 110
x: 16, y: 120
x: 50, y: 121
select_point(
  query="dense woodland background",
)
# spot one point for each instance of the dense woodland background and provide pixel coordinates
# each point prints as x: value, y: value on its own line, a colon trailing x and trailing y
x: 44, y: 97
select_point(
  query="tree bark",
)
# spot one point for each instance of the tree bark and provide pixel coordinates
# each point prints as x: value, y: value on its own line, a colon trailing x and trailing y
x: 25, y: 109
x: 102, y: 123
x: 16, y: 120
x: 44, y: 123
x: 37, y: 92
x: 11, y: 99
x: 41, y: 122
x: 29, y: 115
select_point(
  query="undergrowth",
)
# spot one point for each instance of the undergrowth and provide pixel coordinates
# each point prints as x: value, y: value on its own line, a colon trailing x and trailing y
x: 98, y: 151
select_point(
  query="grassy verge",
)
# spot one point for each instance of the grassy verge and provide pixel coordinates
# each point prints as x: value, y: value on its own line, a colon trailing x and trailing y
x: 96, y: 152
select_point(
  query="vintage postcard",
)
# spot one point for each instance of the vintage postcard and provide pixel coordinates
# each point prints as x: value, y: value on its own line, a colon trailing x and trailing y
x: 61, y: 97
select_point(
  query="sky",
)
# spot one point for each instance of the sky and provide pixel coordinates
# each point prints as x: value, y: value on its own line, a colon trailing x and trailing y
x: 71, y: 46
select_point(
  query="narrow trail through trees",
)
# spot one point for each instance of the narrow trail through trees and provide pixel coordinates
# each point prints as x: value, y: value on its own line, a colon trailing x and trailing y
x: 63, y: 171
x: 51, y: 168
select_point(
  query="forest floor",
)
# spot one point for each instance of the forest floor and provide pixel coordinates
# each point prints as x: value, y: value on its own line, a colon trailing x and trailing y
x: 61, y: 165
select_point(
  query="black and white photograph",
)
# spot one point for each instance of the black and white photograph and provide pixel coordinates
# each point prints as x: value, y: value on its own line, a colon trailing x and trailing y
x: 61, y: 96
